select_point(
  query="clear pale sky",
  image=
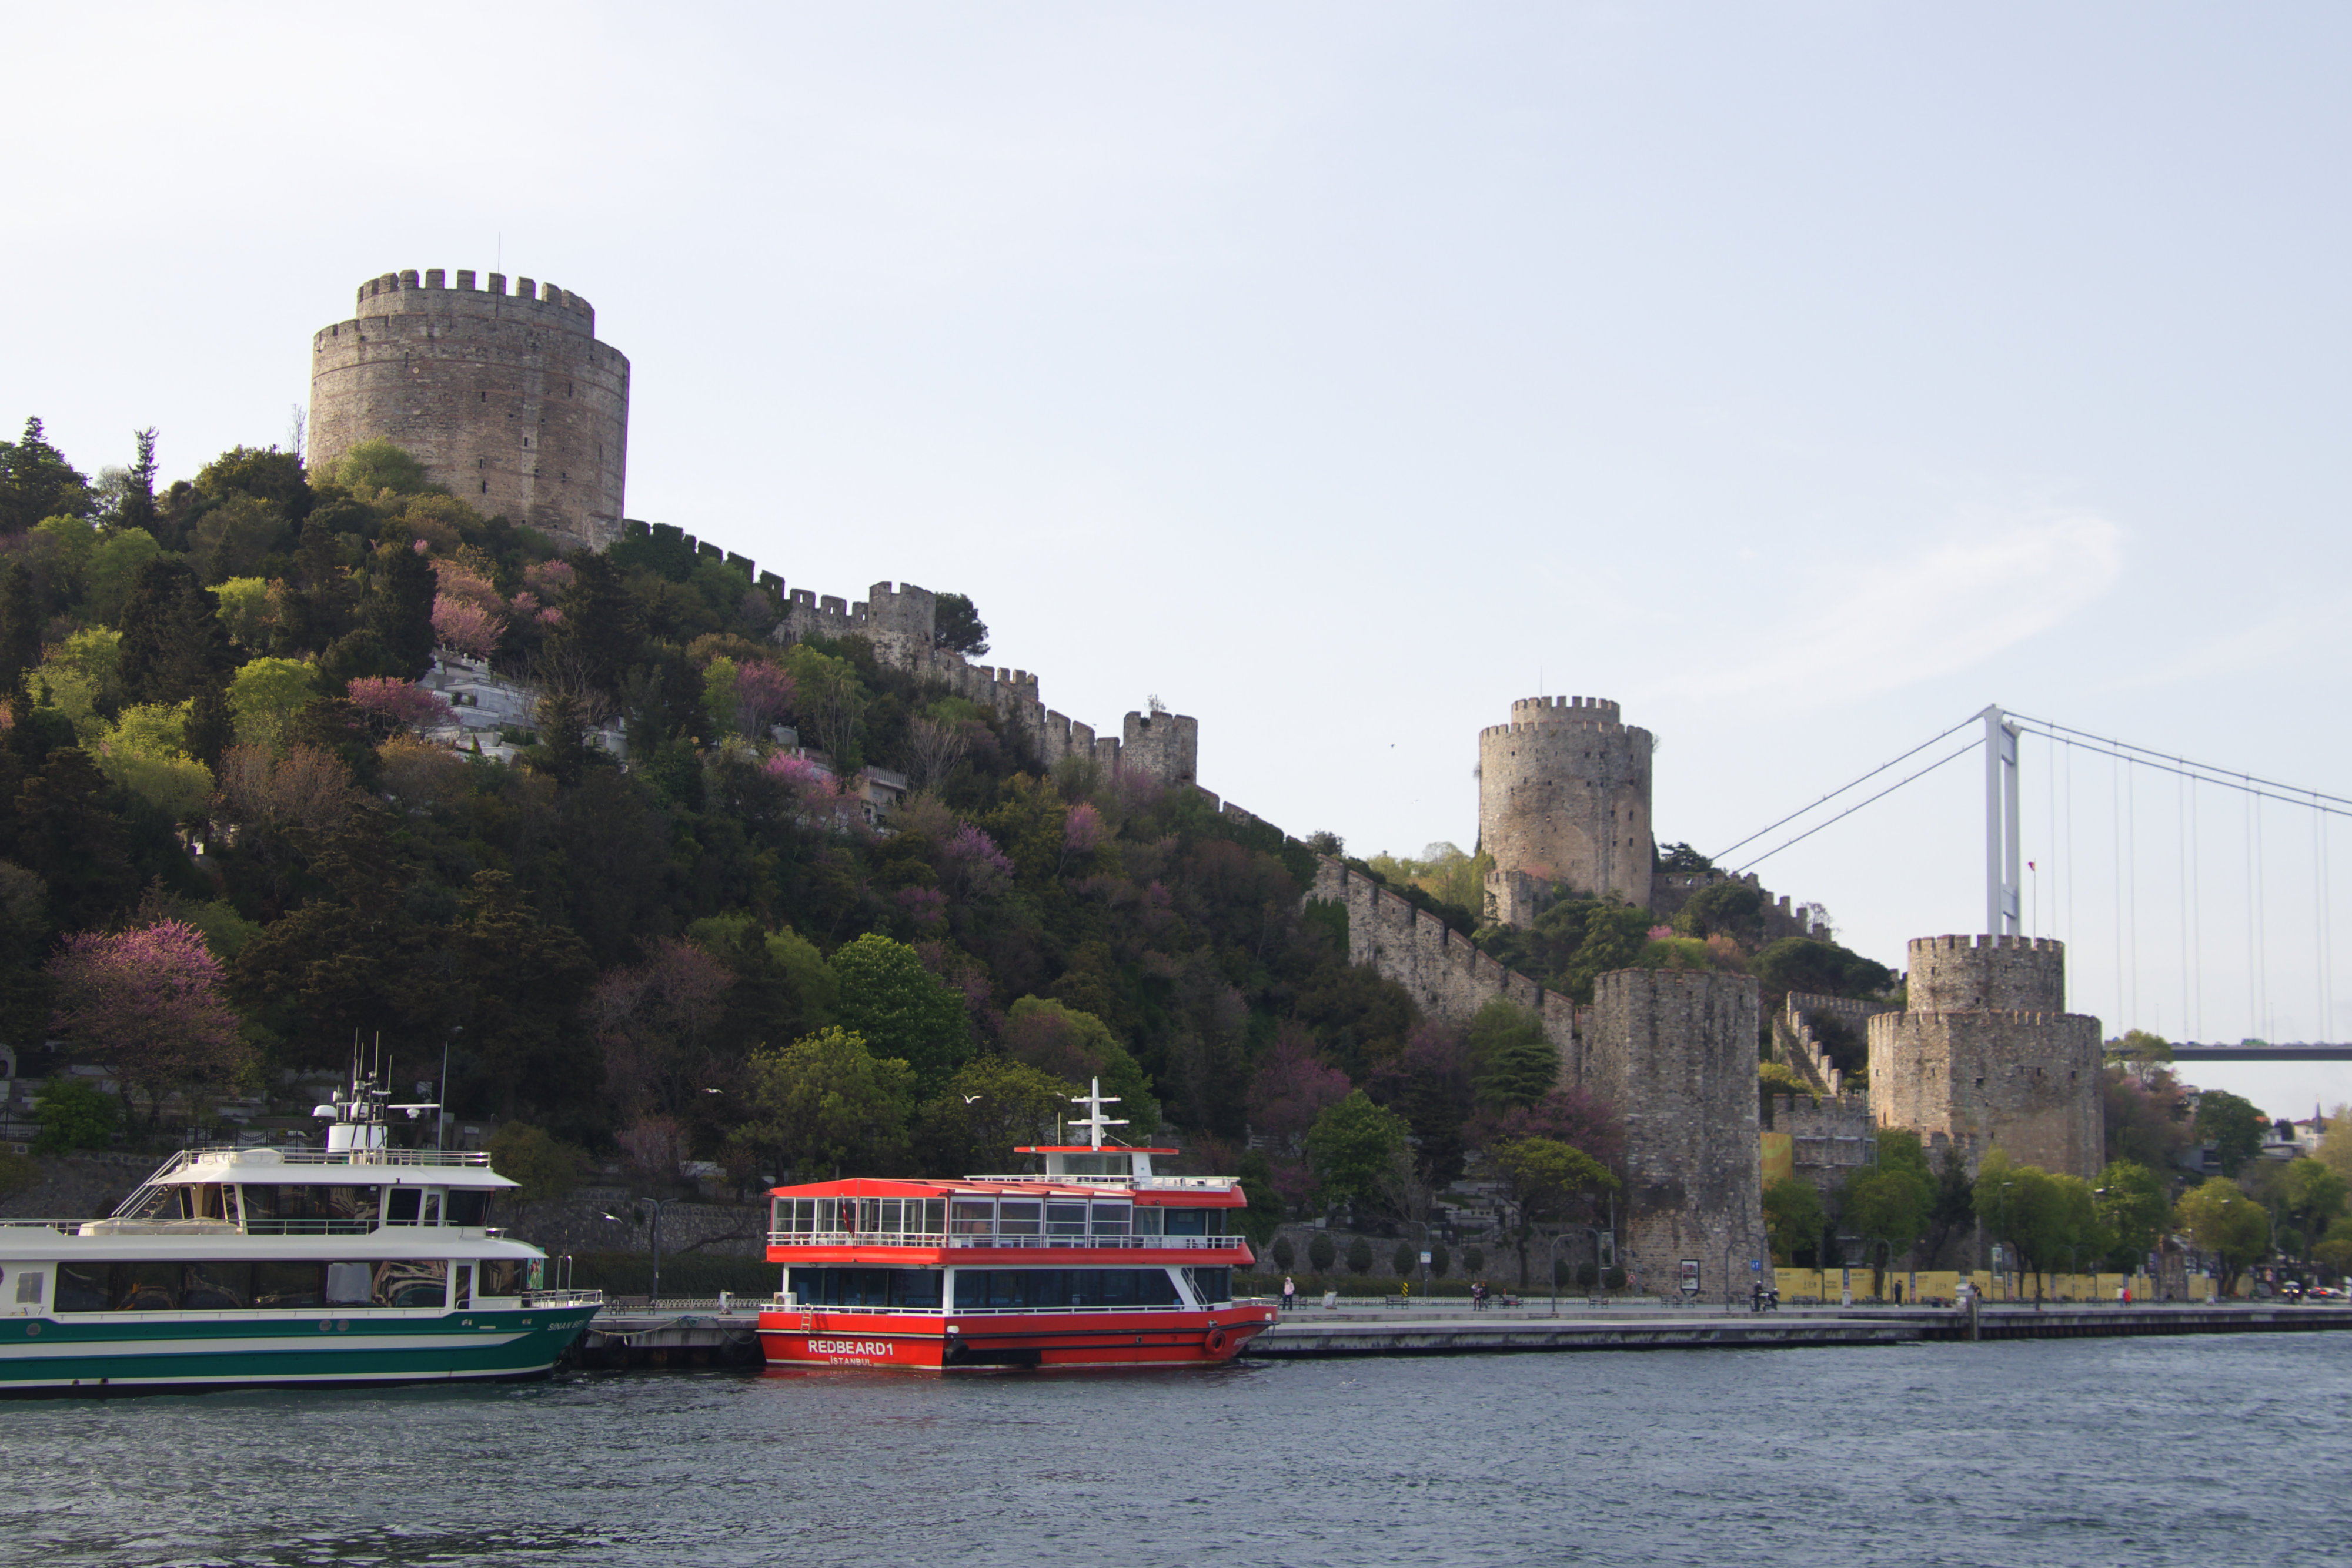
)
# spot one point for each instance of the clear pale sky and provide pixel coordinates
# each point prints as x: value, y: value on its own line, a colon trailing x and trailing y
x: 1803, y: 376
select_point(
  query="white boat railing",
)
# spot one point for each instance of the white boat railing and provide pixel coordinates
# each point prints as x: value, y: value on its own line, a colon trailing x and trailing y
x: 1000, y: 1241
x: 562, y: 1297
x: 1144, y: 1183
x: 449, y: 1159
x: 68, y: 1226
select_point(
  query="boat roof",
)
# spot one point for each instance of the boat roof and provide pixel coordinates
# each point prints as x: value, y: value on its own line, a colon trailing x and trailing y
x: 1225, y: 1192
x: 326, y: 1167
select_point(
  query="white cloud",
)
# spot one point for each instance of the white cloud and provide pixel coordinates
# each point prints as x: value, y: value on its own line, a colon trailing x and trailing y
x: 1870, y: 627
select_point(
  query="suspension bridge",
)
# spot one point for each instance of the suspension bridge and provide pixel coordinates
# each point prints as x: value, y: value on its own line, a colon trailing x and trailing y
x: 2191, y: 852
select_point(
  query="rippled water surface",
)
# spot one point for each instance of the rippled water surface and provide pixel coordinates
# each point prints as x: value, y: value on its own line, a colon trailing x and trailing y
x: 2103, y: 1451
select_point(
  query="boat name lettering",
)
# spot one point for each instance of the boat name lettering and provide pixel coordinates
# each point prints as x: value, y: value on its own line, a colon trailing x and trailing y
x: 849, y: 1347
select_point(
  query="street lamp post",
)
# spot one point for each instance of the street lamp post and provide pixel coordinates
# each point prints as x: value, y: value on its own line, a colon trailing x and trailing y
x: 653, y: 1300
x: 1600, y: 1270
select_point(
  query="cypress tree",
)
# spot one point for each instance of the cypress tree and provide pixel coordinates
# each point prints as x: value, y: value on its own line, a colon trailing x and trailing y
x: 173, y: 641
x: 599, y: 628
x: 400, y: 608
x: 20, y: 627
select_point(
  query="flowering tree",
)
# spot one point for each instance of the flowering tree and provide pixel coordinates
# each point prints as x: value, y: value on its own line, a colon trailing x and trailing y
x: 650, y: 1020
x: 763, y: 694
x: 1291, y: 1088
x: 468, y: 626
x: 389, y: 703
x: 148, y: 1002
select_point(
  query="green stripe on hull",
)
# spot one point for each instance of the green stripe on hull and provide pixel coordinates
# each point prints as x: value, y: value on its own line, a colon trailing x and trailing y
x: 118, y: 1354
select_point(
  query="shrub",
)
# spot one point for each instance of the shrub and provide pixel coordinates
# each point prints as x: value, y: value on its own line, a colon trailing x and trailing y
x: 1360, y: 1256
x: 1321, y: 1252
x: 1404, y: 1261
x: 1283, y: 1253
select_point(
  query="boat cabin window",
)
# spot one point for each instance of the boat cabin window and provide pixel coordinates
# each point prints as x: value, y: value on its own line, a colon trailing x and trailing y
x: 910, y: 1288
x: 219, y: 1285
x: 977, y: 1290
x: 1066, y: 1220
x: 338, y: 1209
x: 500, y: 1275
x: 469, y: 1205
x: 1017, y: 1215
x: 1112, y: 1219
x: 1146, y: 1220
x: 1194, y: 1221
x: 191, y: 1200
x: 897, y: 1215
x: 404, y: 1206
x: 972, y: 1216
x: 432, y: 1205
x: 1095, y: 1165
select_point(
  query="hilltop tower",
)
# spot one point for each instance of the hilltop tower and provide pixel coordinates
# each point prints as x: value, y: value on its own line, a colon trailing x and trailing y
x: 1989, y: 1054
x: 508, y: 399
x: 1564, y: 797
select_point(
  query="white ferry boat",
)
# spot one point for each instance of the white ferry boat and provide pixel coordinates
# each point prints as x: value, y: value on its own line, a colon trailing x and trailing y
x: 259, y: 1267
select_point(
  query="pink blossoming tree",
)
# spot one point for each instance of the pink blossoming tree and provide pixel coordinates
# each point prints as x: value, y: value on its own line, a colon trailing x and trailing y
x: 147, y: 1002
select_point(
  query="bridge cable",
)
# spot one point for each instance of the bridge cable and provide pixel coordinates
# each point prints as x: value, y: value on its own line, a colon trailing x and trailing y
x: 2166, y: 762
x: 1843, y: 788
x: 1858, y: 805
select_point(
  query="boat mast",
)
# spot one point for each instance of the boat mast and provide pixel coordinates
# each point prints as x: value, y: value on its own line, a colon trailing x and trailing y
x: 1095, y: 1122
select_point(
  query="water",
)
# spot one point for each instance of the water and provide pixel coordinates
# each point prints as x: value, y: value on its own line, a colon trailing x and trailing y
x: 2093, y: 1452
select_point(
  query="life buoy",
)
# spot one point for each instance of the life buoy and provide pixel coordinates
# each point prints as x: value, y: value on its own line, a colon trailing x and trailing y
x: 1216, y: 1339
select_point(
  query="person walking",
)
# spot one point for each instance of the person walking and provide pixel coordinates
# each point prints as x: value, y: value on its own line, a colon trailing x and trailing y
x: 1289, y: 1293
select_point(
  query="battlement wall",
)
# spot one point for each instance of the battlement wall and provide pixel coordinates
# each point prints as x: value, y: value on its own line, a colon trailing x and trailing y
x: 1564, y: 710
x: 901, y: 624
x: 2006, y: 974
x: 405, y: 291
x: 509, y: 400
x: 1831, y: 1139
x: 1449, y: 978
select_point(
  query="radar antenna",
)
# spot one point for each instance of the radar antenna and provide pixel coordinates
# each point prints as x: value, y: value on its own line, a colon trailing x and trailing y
x: 1094, y: 1121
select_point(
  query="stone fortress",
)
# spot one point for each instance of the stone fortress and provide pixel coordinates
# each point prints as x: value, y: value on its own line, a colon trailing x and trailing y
x: 506, y: 398
x: 512, y: 403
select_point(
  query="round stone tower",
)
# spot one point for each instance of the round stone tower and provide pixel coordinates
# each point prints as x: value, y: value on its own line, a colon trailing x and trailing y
x: 1564, y: 797
x: 1987, y: 1054
x: 508, y: 399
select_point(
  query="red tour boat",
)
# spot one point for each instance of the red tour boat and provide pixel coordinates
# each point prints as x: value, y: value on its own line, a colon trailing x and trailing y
x: 1097, y: 1262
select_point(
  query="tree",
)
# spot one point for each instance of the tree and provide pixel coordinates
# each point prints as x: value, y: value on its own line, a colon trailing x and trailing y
x: 74, y: 1113
x: 113, y: 571
x: 1067, y: 1042
x: 1511, y: 1061
x: 147, y: 1002
x: 2048, y: 1220
x: 2233, y: 1126
x: 264, y: 696
x: 37, y: 482
x: 398, y: 611
x: 598, y: 632
x: 957, y: 626
x: 1353, y: 1147
x: 1888, y: 1205
x: 2133, y: 1208
x: 370, y: 468
x: 173, y: 638
x: 1403, y: 1260
x: 545, y: 1167
x: 1822, y: 968
x: 654, y: 1021
x: 1360, y: 1256
x: 2221, y: 1219
x: 2311, y: 1195
x: 20, y: 627
x: 1793, y: 1219
x: 67, y: 836
x: 1291, y: 1088
x: 521, y: 983
x: 1428, y: 1083
x: 990, y: 1107
x: 827, y: 1105
x: 888, y: 999
x: 2147, y: 1114
x: 2336, y: 1142
x: 1541, y: 1177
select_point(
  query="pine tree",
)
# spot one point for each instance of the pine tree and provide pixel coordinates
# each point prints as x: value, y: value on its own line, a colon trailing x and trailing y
x: 211, y: 728
x: 599, y: 628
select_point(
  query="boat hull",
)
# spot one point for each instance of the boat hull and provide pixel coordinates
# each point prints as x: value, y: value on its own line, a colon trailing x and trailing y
x: 188, y: 1352
x: 966, y: 1343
